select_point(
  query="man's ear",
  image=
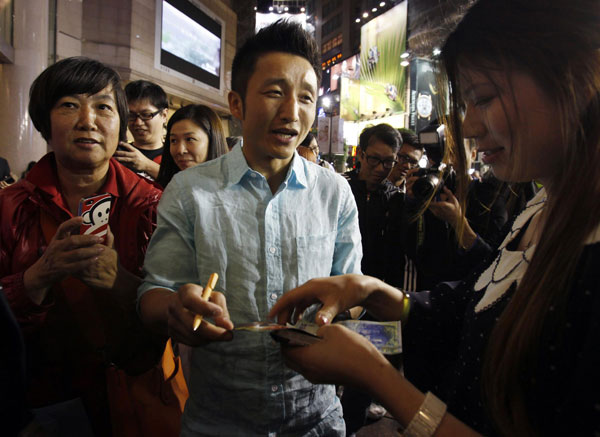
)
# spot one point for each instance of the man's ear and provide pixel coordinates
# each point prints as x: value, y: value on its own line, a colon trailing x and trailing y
x: 236, y: 105
x: 164, y: 114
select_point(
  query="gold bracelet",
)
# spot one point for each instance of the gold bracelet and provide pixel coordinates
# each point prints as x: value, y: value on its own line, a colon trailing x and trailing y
x: 427, y: 419
x: 405, y: 307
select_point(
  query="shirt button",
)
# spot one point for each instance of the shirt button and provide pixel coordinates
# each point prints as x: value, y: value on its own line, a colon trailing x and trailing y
x: 272, y: 249
x: 274, y: 388
x: 274, y: 296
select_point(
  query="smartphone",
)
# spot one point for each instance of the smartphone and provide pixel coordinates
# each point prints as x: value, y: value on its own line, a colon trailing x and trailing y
x: 8, y: 179
x: 95, y: 211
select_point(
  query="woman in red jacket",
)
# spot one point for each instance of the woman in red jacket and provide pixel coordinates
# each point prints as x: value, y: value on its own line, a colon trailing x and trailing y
x: 74, y: 295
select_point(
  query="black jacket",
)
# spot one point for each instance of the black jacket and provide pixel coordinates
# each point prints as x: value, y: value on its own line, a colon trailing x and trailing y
x: 379, y: 217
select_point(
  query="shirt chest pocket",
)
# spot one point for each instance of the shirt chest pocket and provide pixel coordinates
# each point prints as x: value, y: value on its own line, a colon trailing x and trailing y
x: 315, y: 255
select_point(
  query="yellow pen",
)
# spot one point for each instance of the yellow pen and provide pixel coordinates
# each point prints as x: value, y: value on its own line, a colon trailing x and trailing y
x: 210, y: 285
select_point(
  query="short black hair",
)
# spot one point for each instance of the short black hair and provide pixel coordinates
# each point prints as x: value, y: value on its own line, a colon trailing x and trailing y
x: 282, y: 36
x: 307, y: 140
x: 382, y: 132
x: 70, y: 76
x: 410, y: 138
x: 146, y: 90
x: 209, y: 121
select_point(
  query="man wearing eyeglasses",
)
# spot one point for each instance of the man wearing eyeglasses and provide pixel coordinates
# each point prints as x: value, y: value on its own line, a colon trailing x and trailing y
x: 147, y: 115
x: 408, y: 157
x: 380, y: 205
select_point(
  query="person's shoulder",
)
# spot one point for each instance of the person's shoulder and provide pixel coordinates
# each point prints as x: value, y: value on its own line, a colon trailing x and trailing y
x: 13, y: 197
x: 208, y: 176
x: 324, y: 174
x: 134, y: 186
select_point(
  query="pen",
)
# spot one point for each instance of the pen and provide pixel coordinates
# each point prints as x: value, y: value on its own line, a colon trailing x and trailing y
x: 212, y: 281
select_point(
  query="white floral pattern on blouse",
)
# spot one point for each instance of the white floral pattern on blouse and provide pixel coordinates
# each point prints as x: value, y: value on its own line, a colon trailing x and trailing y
x: 509, y: 266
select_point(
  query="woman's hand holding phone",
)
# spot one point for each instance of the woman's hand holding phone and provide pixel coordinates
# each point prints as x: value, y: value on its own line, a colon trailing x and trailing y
x: 68, y: 253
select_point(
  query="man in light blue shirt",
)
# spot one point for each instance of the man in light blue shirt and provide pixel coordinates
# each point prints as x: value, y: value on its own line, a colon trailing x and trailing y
x: 266, y: 221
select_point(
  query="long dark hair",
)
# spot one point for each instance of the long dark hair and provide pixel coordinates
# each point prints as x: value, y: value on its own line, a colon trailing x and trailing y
x: 209, y: 122
x: 556, y: 43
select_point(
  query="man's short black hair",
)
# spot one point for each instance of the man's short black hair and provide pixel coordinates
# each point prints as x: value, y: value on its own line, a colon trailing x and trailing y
x: 70, y: 76
x: 146, y: 90
x: 410, y: 138
x: 382, y: 132
x: 282, y: 36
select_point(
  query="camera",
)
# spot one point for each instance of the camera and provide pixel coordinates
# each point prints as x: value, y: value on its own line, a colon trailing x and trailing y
x: 431, y: 180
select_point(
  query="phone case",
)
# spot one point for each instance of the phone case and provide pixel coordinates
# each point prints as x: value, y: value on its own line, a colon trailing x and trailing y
x: 95, y: 211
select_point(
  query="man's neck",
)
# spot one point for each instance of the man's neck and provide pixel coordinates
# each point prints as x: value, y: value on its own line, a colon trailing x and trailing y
x: 274, y: 170
x: 371, y: 187
x: 147, y: 146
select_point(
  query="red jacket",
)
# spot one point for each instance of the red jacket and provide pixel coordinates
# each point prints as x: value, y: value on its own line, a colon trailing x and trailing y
x: 57, y: 350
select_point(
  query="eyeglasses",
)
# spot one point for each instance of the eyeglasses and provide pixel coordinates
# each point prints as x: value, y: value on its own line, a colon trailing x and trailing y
x: 145, y: 116
x: 412, y: 163
x: 374, y: 161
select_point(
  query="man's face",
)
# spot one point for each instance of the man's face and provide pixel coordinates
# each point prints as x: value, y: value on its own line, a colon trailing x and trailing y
x: 279, y: 106
x: 146, y: 131
x: 373, y: 162
x: 408, y: 158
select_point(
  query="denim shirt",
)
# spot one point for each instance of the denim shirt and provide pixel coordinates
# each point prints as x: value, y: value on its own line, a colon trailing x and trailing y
x: 221, y: 217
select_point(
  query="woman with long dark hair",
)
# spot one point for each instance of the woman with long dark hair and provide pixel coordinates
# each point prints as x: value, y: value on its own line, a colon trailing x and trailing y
x: 194, y: 135
x: 514, y: 350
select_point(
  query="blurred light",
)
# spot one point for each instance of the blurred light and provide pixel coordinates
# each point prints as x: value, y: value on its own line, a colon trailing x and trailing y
x: 374, y: 10
x: 436, y: 51
x: 357, y: 20
x: 326, y: 102
x: 382, y: 4
x: 405, y: 63
x: 365, y: 14
x: 270, y: 8
x: 302, y: 9
x: 286, y: 9
x: 405, y: 55
x: 335, y: 77
x: 255, y: 8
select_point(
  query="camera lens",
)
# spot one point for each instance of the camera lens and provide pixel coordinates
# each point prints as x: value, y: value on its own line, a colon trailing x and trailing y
x: 425, y: 186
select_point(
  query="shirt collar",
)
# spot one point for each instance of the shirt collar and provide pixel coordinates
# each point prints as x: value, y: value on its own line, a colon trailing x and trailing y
x: 237, y: 168
x: 44, y: 176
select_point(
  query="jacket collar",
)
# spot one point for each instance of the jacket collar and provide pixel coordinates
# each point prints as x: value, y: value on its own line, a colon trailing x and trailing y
x: 44, y: 175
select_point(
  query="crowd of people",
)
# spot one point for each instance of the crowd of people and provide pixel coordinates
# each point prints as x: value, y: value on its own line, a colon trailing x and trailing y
x: 494, y: 278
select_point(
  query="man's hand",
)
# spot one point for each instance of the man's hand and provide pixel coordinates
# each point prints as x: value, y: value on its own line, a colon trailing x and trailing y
x: 135, y: 160
x: 174, y: 313
x: 410, y: 180
x: 67, y: 254
x: 447, y: 208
